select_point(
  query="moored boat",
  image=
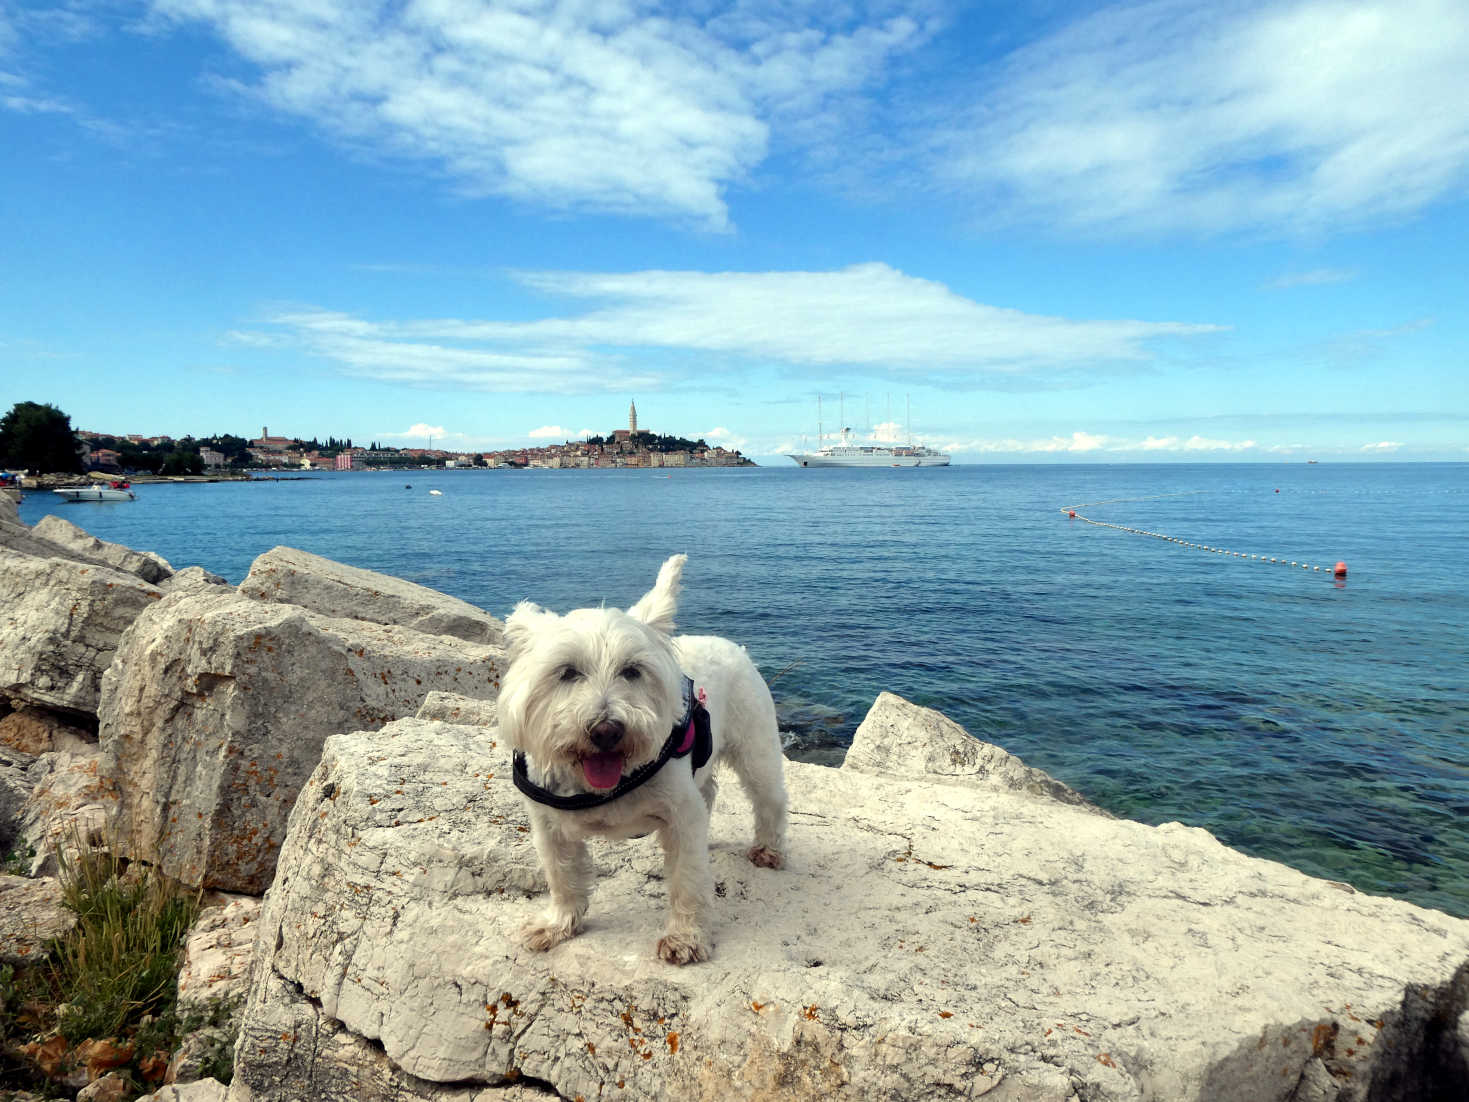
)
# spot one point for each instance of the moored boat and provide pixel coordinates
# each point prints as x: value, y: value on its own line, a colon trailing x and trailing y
x: 116, y: 490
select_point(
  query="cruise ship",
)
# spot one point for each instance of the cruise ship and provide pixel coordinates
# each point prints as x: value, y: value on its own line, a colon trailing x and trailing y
x: 848, y: 454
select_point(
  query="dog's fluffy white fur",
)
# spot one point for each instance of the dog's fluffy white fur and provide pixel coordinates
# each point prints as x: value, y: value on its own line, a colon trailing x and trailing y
x: 599, y: 682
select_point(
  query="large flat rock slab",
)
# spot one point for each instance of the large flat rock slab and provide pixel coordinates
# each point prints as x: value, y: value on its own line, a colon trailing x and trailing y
x: 215, y: 711
x: 297, y: 577
x: 928, y: 939
x: 898, y: 736
x: 81, y: 544
x: 60, y: 624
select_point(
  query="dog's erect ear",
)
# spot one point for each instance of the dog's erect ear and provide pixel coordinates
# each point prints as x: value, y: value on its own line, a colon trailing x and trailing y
x: 658, y: 605
x: 520, y: 626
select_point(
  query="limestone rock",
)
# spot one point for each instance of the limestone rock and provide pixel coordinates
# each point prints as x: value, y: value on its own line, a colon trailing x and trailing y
x: 902, y: 738
x: 55, y: 538
x: 72, y: 797
x: 928, y: 939
x: 202, y: 1090
x: 216, y: 709
x: 18, y: 537
x: 112, y: 1087
x: 31, y: 914
x: 38, y: 731
x: 216, y: 966
x: 80, y: 544
x: 334, y: 589
x: 15, y: 789
x: 191, y: 577
x: 452, y: 708
x: 9, y: 508
x: 344, y: 1067
x: 59, y: 626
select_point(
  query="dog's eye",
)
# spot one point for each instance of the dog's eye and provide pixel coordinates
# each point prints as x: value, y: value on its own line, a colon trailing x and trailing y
x: 570, y: 673
x: 630, y: 673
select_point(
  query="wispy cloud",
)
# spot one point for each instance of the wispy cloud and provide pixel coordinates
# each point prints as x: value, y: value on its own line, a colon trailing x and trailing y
x: 1365, y: 346
x: 1192, y: 115
x: 869, y: 317
x: 1082, y: 442
x: 556, y: 432
x: 630, y: 108
x: 1383, y: 446
x: 1313, y: 278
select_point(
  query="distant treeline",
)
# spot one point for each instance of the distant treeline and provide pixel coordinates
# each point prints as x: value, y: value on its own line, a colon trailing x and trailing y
x: 653, y: 442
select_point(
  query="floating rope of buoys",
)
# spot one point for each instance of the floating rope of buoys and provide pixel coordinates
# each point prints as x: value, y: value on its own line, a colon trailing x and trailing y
x: 1337, y: 571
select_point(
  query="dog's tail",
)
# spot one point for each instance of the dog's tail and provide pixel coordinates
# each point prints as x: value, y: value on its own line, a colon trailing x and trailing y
x: 657, y: 606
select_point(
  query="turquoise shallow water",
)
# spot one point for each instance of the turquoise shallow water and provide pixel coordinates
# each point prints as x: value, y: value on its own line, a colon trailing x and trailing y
x: 1320, y: 723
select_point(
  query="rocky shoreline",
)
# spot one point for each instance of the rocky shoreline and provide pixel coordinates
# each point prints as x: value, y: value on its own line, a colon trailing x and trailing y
x: 317, y: 750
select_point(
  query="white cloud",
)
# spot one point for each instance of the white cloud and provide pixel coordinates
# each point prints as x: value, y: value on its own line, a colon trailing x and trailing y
x: 887, y: 432
x: 1383, y: 446
x: 32, y: 105
x: 1078, y: 441
x: 379, y: 351
x: 556, y: 432
x: 1204, y: 444
x: 418, y: 431
x: 631, y: 108
x: 868, y: 316
x: 1159, y: 443
x: 1082, y: 442
x: 1189, y: 114
x: 254, y: 338
x: 722, y: 437
x: 1313, y: 278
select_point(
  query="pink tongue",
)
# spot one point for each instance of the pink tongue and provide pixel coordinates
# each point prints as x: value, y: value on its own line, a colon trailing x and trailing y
x: 602, y: 770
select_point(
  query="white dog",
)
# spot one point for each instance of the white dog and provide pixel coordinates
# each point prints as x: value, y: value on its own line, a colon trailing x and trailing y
x: 616, y: 728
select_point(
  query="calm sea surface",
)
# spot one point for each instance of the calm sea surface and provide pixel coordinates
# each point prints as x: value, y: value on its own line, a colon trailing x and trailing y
x: 1320, y: 723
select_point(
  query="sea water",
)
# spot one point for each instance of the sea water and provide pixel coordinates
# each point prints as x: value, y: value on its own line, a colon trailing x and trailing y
x: 1317, y: 721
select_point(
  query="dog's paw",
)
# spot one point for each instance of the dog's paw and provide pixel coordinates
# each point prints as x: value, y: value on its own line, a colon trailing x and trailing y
x: 764, y: 857
x: 682, y: 949
x: 543, y: 933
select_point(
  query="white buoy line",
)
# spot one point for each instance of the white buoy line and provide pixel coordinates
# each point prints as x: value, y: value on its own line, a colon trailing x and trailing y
x: 1339, y: 569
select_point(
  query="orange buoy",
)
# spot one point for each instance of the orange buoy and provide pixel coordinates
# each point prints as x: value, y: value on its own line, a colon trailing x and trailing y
x: 1071, y: 512
x: 1340, y: 570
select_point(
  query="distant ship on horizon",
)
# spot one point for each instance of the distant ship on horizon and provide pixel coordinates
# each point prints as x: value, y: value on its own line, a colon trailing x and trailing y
x: 848, y: 454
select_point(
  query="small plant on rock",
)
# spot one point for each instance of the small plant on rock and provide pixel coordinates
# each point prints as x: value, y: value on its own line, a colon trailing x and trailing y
x: 120, y: 963
x: 18, y: 862
x: 104, y: 998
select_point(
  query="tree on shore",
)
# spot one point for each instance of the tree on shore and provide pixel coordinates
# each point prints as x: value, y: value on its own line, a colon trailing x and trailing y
x: 183, y: 462
x: 39, y: 438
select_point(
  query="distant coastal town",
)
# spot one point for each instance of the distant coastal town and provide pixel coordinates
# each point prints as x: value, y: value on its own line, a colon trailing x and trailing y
x: 222, y: 454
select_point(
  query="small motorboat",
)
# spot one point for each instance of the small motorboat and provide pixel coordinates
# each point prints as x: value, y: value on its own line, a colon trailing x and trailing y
x: 119, y: 489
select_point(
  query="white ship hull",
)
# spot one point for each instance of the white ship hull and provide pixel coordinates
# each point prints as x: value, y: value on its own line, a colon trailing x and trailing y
x: 875, y: 457
x: 95, y: 493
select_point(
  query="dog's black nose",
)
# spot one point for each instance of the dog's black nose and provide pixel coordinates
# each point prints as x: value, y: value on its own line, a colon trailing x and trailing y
x: 607, y: 734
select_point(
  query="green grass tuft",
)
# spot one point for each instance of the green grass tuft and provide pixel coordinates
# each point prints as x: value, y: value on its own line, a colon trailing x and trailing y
x: 120, y: 964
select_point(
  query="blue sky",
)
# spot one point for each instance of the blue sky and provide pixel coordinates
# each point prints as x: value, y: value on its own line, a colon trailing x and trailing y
x: 1172, y: 230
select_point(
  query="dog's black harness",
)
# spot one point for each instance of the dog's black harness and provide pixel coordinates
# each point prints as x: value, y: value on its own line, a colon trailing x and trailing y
x: 690, y: 737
